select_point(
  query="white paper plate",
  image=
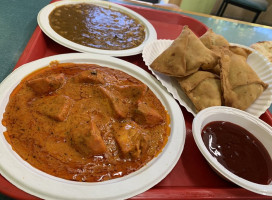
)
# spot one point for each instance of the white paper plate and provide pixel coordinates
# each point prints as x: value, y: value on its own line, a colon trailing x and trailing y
x: 261, y: 130
x: 45, y: 186
x: 258, y: 62
x: 43, y: 22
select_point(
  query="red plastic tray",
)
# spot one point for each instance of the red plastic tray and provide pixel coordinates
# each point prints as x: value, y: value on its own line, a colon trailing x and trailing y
x: 192, y: 177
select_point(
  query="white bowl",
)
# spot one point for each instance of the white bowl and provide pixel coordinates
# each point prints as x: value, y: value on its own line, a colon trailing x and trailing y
x: 257, y: 127
x: 33, y: 181
x: 43, y: 21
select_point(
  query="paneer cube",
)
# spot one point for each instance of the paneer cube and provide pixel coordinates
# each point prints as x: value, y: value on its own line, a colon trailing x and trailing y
x: 45, y: 85
x: 145, y: 115
x: 56, y: 107
x: 132, y: 140
x: 87, y: 140
x: 91, y: 76
x: 126, y: 137
x: 124, y: 98
x: 131, y: 91
x: 119, y: 104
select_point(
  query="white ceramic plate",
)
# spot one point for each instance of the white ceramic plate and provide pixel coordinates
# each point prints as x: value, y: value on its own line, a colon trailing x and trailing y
x: 43, y: 22
x: 258, y: 62
x: 261, y: 130
x: 45, y: 186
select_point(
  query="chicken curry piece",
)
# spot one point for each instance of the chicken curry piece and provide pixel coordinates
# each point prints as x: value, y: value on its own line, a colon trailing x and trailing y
x: 84, y: 122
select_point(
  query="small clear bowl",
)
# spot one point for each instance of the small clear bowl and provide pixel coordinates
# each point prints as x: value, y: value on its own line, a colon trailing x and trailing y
x: 261, y: 130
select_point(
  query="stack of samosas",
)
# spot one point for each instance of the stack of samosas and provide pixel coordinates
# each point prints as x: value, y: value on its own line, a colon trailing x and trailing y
x: 210, y: 71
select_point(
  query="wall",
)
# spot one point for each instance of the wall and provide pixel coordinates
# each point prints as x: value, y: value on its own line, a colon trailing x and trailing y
x: 202, y: 6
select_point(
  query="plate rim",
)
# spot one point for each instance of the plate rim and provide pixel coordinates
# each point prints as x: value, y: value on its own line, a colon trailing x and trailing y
x: 43, y: 22
x: 171, y: 152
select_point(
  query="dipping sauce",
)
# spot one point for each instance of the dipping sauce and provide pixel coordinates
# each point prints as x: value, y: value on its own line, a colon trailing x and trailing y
x: 238, y: 151
x: 97, y: 27
x: 85, y: 122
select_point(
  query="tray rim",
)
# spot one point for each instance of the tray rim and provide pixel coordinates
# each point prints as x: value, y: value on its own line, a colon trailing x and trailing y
x: 176, y: 192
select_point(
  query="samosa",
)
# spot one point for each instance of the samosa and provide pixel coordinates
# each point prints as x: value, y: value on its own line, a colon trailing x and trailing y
x: 240, y: 51
x: 241, y: 85
x: 203, y: 89
x: 219, y: 45
x: 186, y: 55
x: 211, y: 40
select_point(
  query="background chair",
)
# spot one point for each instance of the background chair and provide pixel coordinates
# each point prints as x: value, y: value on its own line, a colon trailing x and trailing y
x: 150, y: 1
x: 256, y: 6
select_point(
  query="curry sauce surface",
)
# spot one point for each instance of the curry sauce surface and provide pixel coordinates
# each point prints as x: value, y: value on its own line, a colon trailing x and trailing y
x: 85, y: 122
x: 97, y: 27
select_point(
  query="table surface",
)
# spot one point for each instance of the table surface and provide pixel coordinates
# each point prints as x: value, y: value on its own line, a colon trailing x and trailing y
x: 18, y: 20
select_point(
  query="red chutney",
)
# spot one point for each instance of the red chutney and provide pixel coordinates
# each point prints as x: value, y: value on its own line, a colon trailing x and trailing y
x: 238, y: 151
x: 85, y: 122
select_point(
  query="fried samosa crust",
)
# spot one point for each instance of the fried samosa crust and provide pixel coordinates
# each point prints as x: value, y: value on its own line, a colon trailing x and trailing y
x: 186, y: 55
x: 241, y: 85
x: 203, y: 89
x: 210, y: 39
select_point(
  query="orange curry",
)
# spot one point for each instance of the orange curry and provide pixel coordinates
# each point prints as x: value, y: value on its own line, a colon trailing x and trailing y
x: 84, y: 122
